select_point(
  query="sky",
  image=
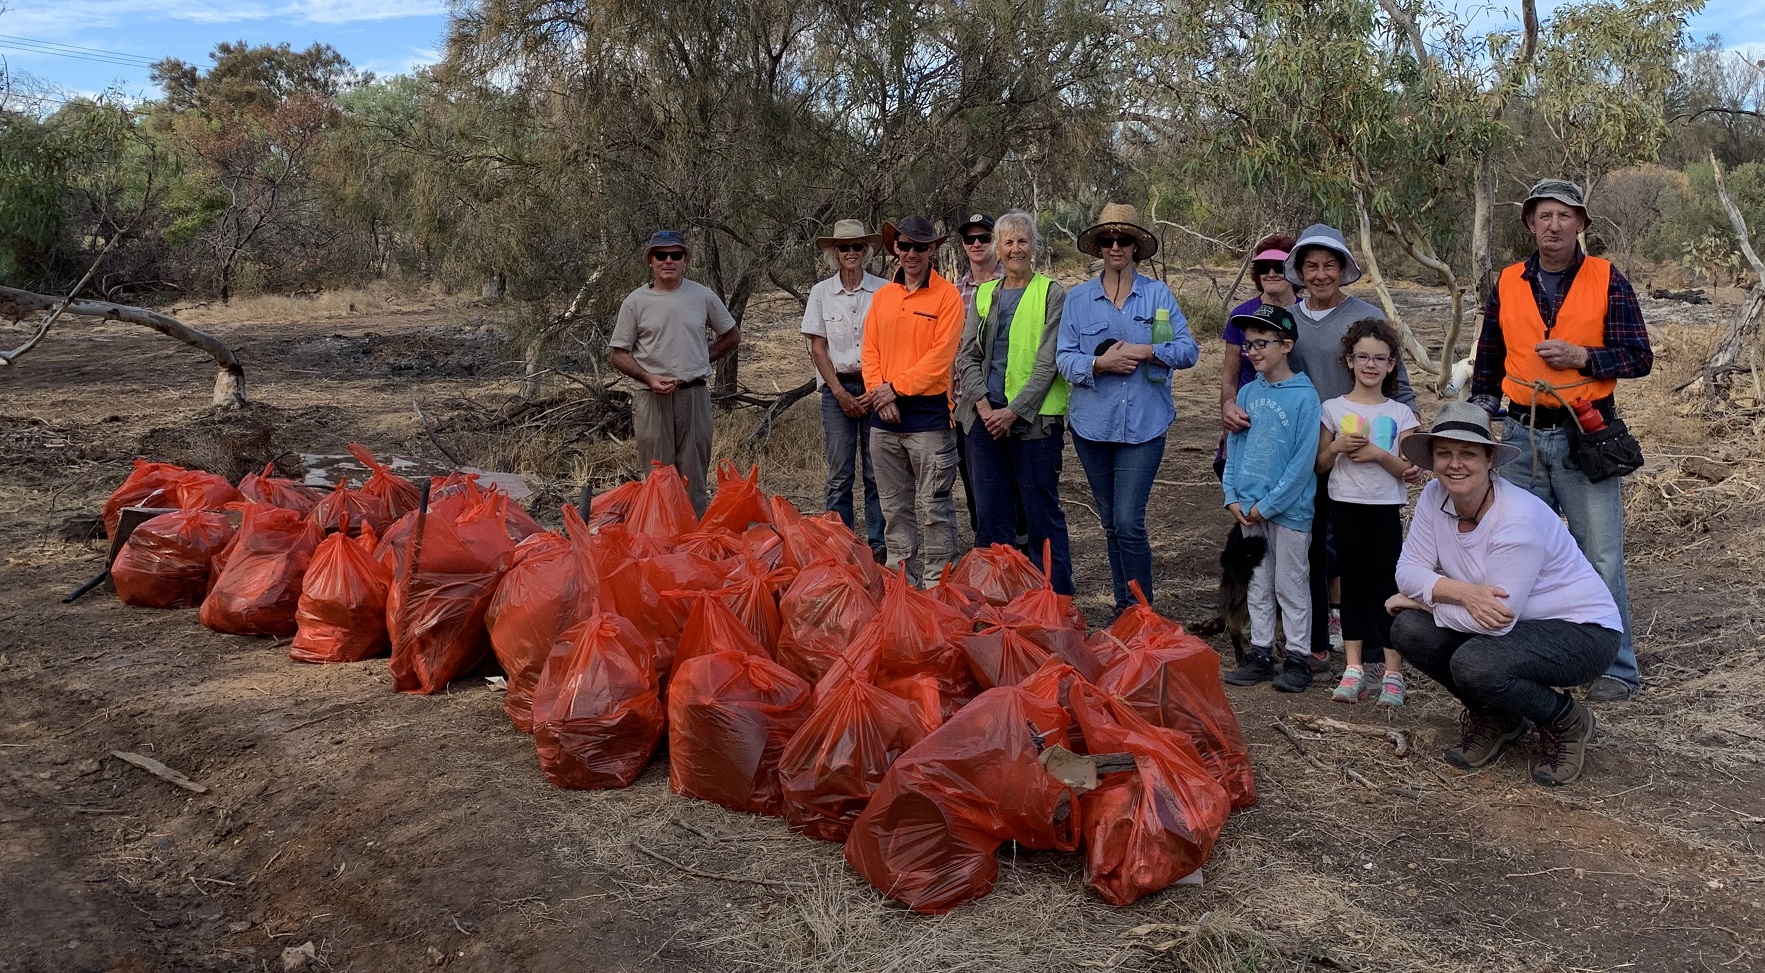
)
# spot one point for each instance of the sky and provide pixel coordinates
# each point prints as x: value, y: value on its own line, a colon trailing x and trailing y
x: 88, y: 46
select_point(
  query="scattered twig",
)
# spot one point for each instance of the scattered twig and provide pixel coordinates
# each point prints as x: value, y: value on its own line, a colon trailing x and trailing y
x: 1397, y: 737
x: 160, y: 770
x: 1409, y: 792
x: 695, y: 829
x: 1357, y: 777
x: 1293, y: 738
x: 435, y: 437
x: 719, y: 876
x: 463, y: 930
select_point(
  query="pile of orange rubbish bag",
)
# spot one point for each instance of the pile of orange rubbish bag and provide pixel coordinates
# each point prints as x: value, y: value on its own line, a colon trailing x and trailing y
x: 789, y: 675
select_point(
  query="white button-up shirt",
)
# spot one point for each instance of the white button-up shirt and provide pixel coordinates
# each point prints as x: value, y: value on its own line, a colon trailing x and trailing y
x: 837, y: 314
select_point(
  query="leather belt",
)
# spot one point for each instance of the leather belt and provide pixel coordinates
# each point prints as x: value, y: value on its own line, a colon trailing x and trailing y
x: 695, y: 383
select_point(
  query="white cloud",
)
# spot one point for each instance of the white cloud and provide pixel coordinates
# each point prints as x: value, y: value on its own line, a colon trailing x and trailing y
x: 350, y: 11
x: 61, y: 18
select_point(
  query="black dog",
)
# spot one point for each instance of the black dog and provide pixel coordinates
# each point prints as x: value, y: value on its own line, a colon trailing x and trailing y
x: 1237, y: 562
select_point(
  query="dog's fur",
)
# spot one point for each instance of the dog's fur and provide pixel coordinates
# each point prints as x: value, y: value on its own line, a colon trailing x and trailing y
x: 1237, y: 562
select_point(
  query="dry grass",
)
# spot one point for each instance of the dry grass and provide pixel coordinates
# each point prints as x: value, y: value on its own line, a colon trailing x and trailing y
x: 377, y: 298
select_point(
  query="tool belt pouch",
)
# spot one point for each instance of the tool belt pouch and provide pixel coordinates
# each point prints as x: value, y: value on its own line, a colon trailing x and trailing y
x: 1612, y: 451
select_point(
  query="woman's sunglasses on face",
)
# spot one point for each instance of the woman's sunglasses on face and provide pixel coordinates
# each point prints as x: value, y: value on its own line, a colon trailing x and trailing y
x: 850, y: 247
x: 1107, y: 242
x: 1270, y: 270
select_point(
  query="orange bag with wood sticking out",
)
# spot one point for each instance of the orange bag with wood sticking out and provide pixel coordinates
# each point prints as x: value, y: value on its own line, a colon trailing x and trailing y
x: 278, y: 492
x: 999, y: 572
x: 442, y: 583
x: 258, y: 589
x: 820, y: 614
x: 929, y: 836
x: 1172, y: 679
x: 342, y: 610
x: 550, y: 586
x: 596, y: 713
x: 167, y: 559
x: 832, y: 766
x: 730, y: 715
x: 1146, y: 829
x: 147, y: 485
x: 739, y: 503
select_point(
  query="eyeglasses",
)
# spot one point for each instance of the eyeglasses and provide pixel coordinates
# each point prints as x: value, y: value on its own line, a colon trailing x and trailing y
x: 978, y: 238
x: 1106, y: 242
x: 1364, y: 359
x: 912, y: 246
x: 665, y: 255
x: 851, y: 247
x: 1258, y: 344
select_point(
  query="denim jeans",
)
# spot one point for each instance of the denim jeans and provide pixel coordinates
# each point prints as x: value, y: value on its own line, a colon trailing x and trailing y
x: 1595, y: 512
x: 915, y: 472
x: 1121, y: 481
x: 847, y: 439
x: 1513, y: 673
x: 1016, y: 478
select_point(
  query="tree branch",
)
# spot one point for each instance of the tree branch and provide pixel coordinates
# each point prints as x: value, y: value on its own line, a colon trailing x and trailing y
x: 1739, y: 221
x: 8, y: 357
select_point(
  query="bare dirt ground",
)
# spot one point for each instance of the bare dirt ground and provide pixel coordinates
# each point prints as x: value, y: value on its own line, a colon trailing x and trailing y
x: 407, y: 833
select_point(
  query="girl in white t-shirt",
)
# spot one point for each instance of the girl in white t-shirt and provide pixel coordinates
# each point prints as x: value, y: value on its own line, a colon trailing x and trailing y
x: 1359, y: 449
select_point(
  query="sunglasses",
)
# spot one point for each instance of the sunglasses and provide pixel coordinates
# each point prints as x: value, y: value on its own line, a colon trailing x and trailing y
x: 1105, y: 242
x: 978, y: 238
x: 665, y: 255
x: 851, y: 247
x: 912, y: 246
x: 1264, y: 270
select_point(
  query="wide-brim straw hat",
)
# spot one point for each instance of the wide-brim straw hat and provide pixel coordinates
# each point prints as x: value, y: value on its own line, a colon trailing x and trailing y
x: 1120, y: 218
x: 1328, y: 237
x: 915, y: 228
x: 1460, y: 421
x: 849, y: 231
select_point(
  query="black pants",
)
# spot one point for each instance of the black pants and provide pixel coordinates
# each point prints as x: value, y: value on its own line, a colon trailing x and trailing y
x: 1513, y: 673
x: 1320, y: 568
x: 1368, y: 540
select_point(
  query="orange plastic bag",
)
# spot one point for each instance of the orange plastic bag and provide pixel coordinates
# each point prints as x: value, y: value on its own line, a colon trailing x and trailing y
x: 713, y: 545
x: 258, y: 589
x: 751, y: 591
x: 596, y: 712
x: 614, y: 505
x: 738, y: 503
x: 1141, y: 620
x: 820, y: 614
x: 662, y: 508
x: 147, y: 485
x: 1173, y: 680
x: 278, y: 492
x: 199, y: 490
x: 804, y: 540
x: 380, y: 501
x: 167, y: 559
x: 915, y: 634
x: 549, y: 587
x: 730, y: 715
x: 965, y: 599
x: 1146, y: 829
x: 833, y: 765
x: 1000, y: 656
x: 711, y: 628
x: 342, y: 610
x: 398, y: 495
x: 928, y: 837
x: 999, y: 572
x: 636, y: 591
x: 441, y: 589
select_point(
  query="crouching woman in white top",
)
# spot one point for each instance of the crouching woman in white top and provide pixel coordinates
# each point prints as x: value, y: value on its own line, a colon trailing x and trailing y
x: 1497, y: 604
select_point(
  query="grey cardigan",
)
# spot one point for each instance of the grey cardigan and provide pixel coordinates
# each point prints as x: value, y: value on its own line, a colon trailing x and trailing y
x: 974, y: 359
x: 1318, y: 352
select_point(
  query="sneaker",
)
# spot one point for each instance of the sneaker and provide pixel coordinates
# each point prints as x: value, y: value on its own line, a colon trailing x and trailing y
x: 1336, y: 629
x: 1295, y: 676
x: 1484, y: 736
x: 1319, y: 664
x: 1610, y: 689
x: 1391, y: 689
x: 1563, y: 746
x: 1352, y: 688
x: 1258, y: 666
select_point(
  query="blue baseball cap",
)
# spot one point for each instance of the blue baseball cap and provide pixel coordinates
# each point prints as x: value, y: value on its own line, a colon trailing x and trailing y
x: 666, y: 238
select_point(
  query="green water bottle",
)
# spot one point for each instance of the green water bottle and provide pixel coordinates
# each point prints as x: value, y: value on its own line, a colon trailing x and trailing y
x: 1161, y: 333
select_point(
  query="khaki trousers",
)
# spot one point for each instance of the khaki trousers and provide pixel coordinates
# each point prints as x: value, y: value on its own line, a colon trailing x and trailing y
x: 675, y: 430
x: 914, y: 475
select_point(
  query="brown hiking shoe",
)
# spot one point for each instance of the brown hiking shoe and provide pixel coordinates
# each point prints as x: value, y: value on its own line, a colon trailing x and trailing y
x: 1484, y: 736
x: 1563, y: 747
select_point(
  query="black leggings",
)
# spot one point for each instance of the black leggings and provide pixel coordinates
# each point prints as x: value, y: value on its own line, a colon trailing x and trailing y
x: 1513, y: 673
x: 1320, y: 567
x: 1368, y: 539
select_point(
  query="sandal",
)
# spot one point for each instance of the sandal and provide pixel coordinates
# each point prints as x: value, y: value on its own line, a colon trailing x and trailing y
x: 1352, y: 688
x: 1391, y: 689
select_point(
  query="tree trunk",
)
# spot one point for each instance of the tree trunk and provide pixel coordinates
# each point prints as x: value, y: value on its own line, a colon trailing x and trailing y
x: 229, y: 383
x: 1483, y: 228
x: 1739, y: 348
x: 1411, y: 343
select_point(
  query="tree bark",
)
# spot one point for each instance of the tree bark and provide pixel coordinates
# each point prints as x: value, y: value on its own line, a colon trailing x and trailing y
x: 229, y: 383
x: 1411, y: 343
x: 1740, y: 341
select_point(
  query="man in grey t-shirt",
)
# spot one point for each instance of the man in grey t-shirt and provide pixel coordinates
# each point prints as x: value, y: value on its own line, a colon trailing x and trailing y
x: 660, y: 339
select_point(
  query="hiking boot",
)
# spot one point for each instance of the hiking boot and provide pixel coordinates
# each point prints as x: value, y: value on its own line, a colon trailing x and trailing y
x: 1295, y: 675
x: 1484, y: 736
x: 1609, y: 689
x: 1258, y: 666
x: 1563, y: 747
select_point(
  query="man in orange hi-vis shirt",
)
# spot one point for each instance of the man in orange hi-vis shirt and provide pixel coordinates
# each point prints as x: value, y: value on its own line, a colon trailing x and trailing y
x: 910, y: 340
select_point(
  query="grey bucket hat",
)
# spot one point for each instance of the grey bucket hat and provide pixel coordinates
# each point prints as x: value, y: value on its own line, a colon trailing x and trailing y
x: 1322, y: 235
x: 1459, y: 421
x: 1561, y: 190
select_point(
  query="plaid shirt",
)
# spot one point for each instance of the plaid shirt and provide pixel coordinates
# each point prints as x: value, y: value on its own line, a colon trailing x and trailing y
x: 1626, y: 354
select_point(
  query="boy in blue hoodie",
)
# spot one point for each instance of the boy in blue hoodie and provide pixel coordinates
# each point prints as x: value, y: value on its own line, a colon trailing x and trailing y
x: 1269, y: 487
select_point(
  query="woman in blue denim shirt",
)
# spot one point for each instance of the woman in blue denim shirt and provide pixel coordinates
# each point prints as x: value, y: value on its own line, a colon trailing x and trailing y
x: 1120, y: 403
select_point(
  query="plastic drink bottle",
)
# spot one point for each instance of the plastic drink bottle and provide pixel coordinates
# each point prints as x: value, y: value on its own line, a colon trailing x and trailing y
x: 1161, y: 333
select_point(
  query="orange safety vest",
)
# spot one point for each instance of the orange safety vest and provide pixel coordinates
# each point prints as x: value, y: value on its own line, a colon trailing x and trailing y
x: 1581, y: 321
